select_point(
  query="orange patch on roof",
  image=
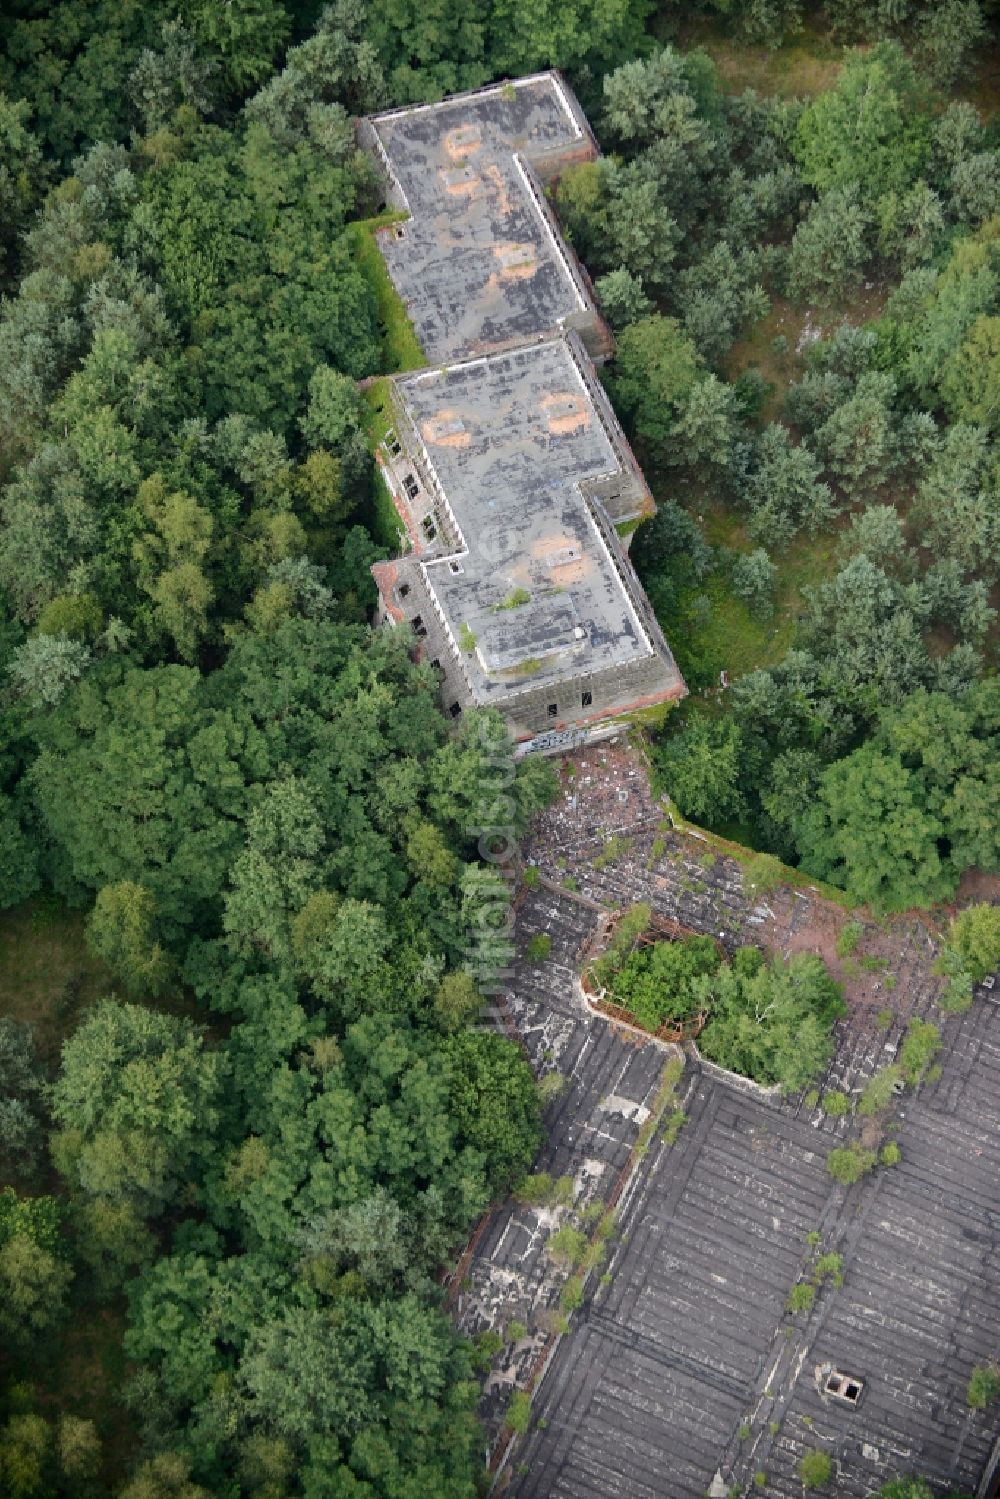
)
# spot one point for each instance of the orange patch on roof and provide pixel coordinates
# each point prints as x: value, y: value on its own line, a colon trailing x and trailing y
x: 563, y: 559
x: 461, y: 141
x: 495, y: 175
x: 446, y: 429
x: 461, y: 182
x: 566, y: 411
x: 518, y: 262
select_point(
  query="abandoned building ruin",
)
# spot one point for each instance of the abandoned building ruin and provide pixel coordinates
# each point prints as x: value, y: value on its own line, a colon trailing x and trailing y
x: 507, y: 466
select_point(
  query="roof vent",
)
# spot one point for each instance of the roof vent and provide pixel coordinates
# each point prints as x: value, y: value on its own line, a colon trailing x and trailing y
x: 844, y: 1387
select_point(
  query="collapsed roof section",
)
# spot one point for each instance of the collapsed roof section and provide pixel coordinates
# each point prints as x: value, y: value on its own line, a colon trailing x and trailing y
x: 480, y: 263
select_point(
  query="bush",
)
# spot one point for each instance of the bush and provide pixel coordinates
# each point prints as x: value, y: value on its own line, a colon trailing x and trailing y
x: 975, y: 936
x: 801, y: 1297
x: 983, y: 1387
x: 551, y: 1087
x: 829, y: 1269
x: 879, y: 1091
x: 538, y: 948
x: 518, y: 1412
x: 568, y: 1245
x: 920, y: 1045
x: 836, y: 1104
x: 815, y: 1469
x: 571, y: 1295
x: 754, y: 577
x: 849, y: 1163
x: 544, y: 1190
x: 848, y: 937
x: 890, y: 1154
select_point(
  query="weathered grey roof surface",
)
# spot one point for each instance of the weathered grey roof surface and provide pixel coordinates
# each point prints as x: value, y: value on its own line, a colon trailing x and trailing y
x: 478, y: 263
x: 685, y: 1373
x: 510, y: 439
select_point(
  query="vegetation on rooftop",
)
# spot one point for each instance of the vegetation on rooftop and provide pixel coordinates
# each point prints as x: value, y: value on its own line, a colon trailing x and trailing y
x: 769, y: 1019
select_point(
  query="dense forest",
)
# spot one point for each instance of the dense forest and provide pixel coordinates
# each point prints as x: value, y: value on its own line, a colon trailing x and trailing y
x: 234, y: 1159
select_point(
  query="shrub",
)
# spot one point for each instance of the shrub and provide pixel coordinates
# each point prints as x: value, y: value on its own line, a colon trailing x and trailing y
x: 884, y: 1019
x: 515, y: 599
x: 606, y: 1225
x: 544, y: 1190
x: 983, y: 1387
x: 920, y: 1045
x: 849, y: 1163
x: 754, y: 577
x: 516, y: 1331
x: 518, y: 1415
x: 532, y: 877
x: 848, y: 937
x: 801, y: 1297
x: 568, y: 1244
x: 829, y: 1268
x: 551, y: 1087
x: 763, y: 873
x: 675, y: 1123
x: 594, y: 1257
x: 538, y: 948
x: 890, y: 1154
x: 975, y: 936
x: 488, y: 1343
x: 836, y: 1104
x: 957, y: 995
x: 614, y: 849
x: 815, y: 1469
x: 879, y: 1091
x: 571, y: 1295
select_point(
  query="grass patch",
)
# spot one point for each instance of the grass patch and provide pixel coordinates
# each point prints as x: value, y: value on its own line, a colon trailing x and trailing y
x: 47, y: 974
x: 386, y: 525
x: 670, y: 1077
x: 538, y: 948
x: 806, y: 64
x: 711, y: 629
x: 614, y: 849
x: 400, y: 347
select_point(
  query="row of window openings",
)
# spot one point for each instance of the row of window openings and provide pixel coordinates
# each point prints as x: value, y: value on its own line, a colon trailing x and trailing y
x: 420, y: 630
x: 553, y: 709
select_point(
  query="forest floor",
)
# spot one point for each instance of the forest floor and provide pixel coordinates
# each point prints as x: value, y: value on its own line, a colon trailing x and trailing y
x: 47, y: 974
x: 804, y: 65
x: 49, y: 977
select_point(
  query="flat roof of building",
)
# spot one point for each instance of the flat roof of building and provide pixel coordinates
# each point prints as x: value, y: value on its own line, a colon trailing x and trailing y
x: 478, y: 264
x: 509, y: 439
